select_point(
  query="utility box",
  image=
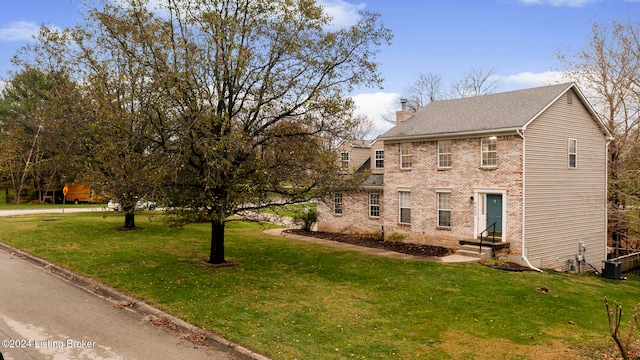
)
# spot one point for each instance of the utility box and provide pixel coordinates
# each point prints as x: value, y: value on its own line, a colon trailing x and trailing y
x: 612, y: 269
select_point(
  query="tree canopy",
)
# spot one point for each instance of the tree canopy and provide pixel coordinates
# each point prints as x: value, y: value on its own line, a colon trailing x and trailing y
x: 217, y: 105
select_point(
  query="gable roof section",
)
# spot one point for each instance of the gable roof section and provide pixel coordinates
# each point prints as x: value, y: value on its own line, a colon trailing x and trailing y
x: 508, y: 111
x: 357, y: 143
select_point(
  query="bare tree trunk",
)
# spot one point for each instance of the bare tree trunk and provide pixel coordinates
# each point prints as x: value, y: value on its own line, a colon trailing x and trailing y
x: 130, y: 220
x: 26, y: 166
x: 217, y: 242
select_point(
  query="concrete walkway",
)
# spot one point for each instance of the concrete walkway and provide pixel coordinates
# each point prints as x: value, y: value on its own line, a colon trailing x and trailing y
x: 375, y: 251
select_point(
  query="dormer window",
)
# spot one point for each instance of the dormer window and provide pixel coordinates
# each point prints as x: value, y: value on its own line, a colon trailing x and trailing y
x: 344, y: 160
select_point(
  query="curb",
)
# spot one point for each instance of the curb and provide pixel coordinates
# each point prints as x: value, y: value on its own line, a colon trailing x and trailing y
x: 135, y: 305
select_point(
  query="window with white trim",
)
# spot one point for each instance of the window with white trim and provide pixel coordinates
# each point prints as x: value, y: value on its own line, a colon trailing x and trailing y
x: 379, y: 159
x: 489, y: 151
x: 337, y: 203
x: 374, y: 205
x: 345, y: 159
x: 444, y: 209
x: 573, y: 153
x: 444, y: 154
x: 404, y: 200
x: 406, y: 155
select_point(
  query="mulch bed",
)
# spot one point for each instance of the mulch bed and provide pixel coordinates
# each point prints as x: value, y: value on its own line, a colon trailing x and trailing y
x: 505, y: 265
x: 374, y: 242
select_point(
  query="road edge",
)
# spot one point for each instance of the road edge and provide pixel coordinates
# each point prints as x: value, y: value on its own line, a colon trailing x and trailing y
x: 130, y: 303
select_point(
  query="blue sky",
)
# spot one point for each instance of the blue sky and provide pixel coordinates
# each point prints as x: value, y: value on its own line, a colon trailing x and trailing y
x: 518, y: 39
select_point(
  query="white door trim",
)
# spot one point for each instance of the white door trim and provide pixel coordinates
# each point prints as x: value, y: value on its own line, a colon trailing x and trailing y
x: 480, y: 211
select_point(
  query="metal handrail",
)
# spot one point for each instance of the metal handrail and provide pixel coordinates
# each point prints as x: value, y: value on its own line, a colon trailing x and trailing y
x: 493, y: 236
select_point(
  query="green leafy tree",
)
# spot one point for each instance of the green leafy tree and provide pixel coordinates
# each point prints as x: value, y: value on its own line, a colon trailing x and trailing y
x: 238, y: 103
x: 270, y: 76
x: 116, y: 137
x: 34, y: 134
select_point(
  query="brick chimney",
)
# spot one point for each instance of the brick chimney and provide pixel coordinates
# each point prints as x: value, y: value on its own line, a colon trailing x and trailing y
x: 403, y: 114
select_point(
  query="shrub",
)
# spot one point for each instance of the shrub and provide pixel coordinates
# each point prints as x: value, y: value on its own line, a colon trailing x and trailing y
x: 305, y: 218
x: 395, y: 237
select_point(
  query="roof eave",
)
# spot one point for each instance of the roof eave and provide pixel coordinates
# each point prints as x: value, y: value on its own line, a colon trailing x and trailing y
x: 448, y: 135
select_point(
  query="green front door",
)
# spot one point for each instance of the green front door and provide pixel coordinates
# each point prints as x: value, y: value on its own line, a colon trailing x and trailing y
x: 494, y: 212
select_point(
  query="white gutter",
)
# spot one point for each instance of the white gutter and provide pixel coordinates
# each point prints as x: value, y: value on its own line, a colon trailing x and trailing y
x: 606, y: 194
x: 451, y: 135
x: 524, y: 249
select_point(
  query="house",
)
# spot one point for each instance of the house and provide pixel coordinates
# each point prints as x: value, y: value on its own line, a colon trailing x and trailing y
x: 528, y: 166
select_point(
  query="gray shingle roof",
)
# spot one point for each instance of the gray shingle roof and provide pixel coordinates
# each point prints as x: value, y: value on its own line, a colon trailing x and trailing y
x: 503, y: 111
x: 360, y: 143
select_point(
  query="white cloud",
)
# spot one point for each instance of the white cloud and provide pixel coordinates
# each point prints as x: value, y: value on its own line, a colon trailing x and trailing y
x: 378, y: 107
x: 344, y: 14
x: 529, y: 79
x: 557, y: 3
x: 19, y: 31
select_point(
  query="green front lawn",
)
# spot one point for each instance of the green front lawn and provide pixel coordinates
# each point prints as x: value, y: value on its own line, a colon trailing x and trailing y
x: 290, y: 299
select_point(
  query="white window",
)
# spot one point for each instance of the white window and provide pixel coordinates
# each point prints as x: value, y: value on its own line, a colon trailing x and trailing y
x: 374, y: 205
x: 406, y: 154
x: 344, y: 160
x: 444, y: 209
x: 404, y: 198
x: 573, y: 153
x: 337, y: 203
x: 444, y: 154
x: 489, y: 151
x: 379, y: 159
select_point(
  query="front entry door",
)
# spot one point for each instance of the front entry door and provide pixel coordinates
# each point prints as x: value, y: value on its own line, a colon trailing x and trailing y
x: 494, y: 212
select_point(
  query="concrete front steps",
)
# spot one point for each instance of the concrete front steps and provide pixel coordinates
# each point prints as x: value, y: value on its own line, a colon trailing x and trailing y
x: 486, y: 250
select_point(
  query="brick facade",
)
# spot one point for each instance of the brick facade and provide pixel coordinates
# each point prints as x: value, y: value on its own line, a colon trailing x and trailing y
x: 465, y: 180
x: 355, y: 214
x: 563, y: 223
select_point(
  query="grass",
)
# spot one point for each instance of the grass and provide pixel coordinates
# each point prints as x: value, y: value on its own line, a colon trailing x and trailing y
x: 289, y: 210
x: 291, y: 299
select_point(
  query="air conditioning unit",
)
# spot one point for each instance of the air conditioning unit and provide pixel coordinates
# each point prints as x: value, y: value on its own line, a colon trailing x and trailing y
x: 612, y: 269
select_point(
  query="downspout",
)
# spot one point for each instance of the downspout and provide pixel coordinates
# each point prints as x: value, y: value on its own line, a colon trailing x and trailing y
x: 606, y: 195
x: 524, y: 251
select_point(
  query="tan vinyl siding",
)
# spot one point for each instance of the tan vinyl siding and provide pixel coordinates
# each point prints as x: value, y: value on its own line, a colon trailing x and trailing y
x: 357, y: 155
x: 378, y: 145
x: 564, y: 206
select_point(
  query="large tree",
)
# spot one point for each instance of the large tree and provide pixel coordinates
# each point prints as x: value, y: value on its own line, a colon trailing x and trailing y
x: 475, y: 82
x: 429, y: 87
x: 423, y: 90
x: 34, y: 146
x: 240, y: 101
x: 259, y: 77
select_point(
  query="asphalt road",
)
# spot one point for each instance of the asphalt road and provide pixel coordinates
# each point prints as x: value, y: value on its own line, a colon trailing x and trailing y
x: 47, y: 316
